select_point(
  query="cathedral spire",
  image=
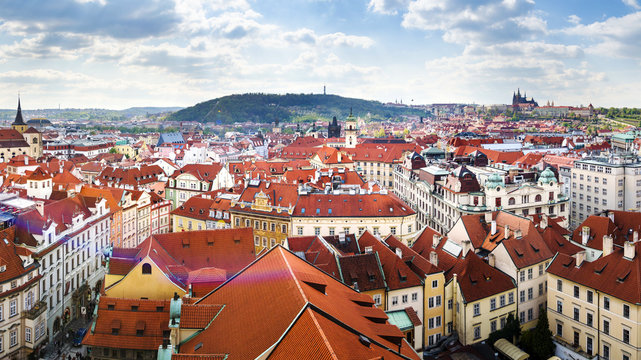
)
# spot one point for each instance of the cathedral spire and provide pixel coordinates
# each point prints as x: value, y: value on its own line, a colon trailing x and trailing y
x: 19, y: 120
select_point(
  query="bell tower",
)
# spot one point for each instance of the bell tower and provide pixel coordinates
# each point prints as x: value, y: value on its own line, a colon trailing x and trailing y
x: 351, y: 130
x: 19, y: 124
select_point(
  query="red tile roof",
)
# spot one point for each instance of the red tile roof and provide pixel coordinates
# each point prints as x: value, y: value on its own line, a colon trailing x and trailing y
x: 347, y: 205
x: 151, y: 316
x: 248, y: 325
x: 612, y: 274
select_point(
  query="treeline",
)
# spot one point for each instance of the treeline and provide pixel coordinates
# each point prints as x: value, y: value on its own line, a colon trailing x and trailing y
x: 625, y: 112
x: 267, y: 108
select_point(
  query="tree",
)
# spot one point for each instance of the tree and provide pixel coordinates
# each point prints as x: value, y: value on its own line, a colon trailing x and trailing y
x: 510, y: 332
x: 113, y: 150
x: 538, y: 341
x: 379, y: 133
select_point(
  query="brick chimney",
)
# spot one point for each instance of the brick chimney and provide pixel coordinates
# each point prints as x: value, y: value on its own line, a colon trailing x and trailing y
x: 585, y: 235
x: 435, y: 240
x: 491, y: 260
x: 608, y: 245
x: 507, y: 231
x: 493, y: 227
x: 580, y: 258
x: 544, y: 222
x: 628, y: 250
x: 434, y: 258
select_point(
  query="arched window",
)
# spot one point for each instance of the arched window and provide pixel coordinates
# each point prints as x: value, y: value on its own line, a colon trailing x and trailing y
x: 146, y: 268
x: 511, y: 201
x: 537, y: 198
x: 35, y: 140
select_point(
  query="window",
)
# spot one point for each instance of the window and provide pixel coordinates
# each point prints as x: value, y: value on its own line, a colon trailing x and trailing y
x: 393, y: 230
x: 530, y: 293
x: 492, y: 303
x: 540, y: 289
x: 146, y: 268
x: 559, y: 306
x: 522, y: 276
x: 449, y: 304
x: 477, y: 309
x: 626, y: 311
x: 576, y: 314
x: 404, y: 299
x: 13, y: 308
x: 522, y: 296
x: 589, y: 319
x: 522, y: 317
x: 510, y: 298
x: 317, y: 231
x: 559, y: 285
x: 477, y: 332
x: 13, y: 338
x: 530, y: 314
x: 588, y: 342
x: 394, y: 300
x: 576, y: 291
x: 377, y: 299
x: 299, y: 230
x: 606, y: 350
x: 493, y: 326
x: 589, y: 296
x: 606, y: 326
x: 529, y: 274
x: 502, y: 300
x: 559, y: 329
x: 606, y: 303
x: 27, y: 334
x: 414, y: 296
x: 434, y: 283
x: 540, y: 269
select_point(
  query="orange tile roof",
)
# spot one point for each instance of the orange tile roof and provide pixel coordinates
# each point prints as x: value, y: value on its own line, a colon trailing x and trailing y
x: 151, y: 316
x: 248, y: 325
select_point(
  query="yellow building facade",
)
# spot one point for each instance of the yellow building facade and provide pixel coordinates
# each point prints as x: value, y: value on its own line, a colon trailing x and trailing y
x: 136, y: 284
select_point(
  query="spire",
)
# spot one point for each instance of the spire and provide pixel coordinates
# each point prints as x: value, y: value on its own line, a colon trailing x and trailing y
x: 19, y: 120
x: 350, y: 109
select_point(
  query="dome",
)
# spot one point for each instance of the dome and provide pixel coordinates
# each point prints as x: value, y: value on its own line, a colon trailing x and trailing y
x: 547, y: 176
x: 493, y: 181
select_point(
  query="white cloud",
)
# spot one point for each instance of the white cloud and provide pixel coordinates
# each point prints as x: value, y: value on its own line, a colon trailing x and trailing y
x: 632, y: 4
x: 616, y: 36
x: 574, y: 19
x: 389, y: 7
x: 309, y: 37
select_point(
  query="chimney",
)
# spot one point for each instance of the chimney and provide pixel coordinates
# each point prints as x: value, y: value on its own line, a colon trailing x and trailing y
x: 399, y: 252
x: 611, y: 215
x: 635, y: 236
x: 488, y: 217
x: 491, y: 260
x: 507, y: 231
x: 435, y: 240
x: 608, y: 245
x: 580, y: 257
x: 493, y: 227
x: 518, y: 233
x: 26, y: 160
x: 40, y: 206
x: 544, y: 222
x: 628, y: 250
x: 434, y: 258
x: 467, y: 246
x: 585, y: 235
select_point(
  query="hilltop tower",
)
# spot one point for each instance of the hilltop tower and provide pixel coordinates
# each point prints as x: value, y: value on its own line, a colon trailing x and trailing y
x: 19, y: 124
x: 351, y: 130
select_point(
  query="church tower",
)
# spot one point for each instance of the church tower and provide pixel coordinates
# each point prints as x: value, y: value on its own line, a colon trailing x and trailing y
x: 351, y: 130
x: 19, y: 124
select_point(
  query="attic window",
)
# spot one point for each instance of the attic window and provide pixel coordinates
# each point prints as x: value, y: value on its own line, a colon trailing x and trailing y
x: 518, y: 253
x: 134, y: 307
x: 623, y: 277
x: 402, y: 275
x: 534, y: 248
x: 201, y: 211
x: 599, y: 270
x: 210, y: 242
x: 198, y: 346
x: 317, y: 286
x: 111, y: 306
x: 160, y: 308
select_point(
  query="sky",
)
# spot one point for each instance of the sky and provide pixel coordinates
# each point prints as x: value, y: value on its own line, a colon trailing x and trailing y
x: 121, y: 53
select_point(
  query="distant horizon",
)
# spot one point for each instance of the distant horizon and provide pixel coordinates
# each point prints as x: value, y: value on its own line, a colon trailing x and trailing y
x: 383, y: 102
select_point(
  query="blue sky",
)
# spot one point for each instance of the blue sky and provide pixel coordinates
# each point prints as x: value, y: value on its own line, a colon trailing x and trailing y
x: 122, y: 53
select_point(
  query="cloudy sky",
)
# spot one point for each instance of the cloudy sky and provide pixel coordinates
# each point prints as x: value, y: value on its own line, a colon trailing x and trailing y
x: 122, y: 53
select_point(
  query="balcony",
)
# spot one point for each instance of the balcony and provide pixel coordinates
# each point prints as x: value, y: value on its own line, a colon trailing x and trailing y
x: 36, y: 310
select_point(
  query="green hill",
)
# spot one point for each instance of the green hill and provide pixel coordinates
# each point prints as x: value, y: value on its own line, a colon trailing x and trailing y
x: 266, y: 108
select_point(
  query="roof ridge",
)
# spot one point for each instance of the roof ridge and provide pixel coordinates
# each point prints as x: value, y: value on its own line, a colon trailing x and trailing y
x: 291, y: 271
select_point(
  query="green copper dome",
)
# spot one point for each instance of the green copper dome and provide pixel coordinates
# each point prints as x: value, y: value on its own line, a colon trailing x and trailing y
x: 493, y: 181
x: 547, y: 176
